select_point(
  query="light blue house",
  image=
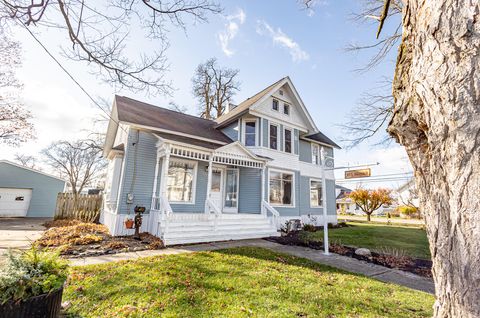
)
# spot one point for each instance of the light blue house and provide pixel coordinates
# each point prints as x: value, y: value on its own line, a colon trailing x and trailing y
x: 242, y: 175
x: 27, y: 192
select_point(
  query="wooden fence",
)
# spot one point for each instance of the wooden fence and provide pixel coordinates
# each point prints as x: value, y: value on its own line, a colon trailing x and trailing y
x: 86, y: 208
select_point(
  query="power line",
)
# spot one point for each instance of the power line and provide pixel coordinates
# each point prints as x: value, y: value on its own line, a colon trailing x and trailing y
x: 68, y: 74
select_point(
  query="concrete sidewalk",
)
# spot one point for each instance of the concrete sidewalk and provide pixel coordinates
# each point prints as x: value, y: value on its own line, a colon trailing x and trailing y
x: 348, y: 264
x: 19, y: 233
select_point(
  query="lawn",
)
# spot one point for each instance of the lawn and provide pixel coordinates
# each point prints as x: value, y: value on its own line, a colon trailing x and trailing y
x: 239, y: 282
x: 410, y: 240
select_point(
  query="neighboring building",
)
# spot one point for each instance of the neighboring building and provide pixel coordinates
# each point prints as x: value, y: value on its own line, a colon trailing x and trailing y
x: 240, y: 176
x: 345, y: 205
x: 27, y: 192
x: 407, y: 194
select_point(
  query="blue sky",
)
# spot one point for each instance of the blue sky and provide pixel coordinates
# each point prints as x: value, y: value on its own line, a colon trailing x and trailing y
x: 266, y: 40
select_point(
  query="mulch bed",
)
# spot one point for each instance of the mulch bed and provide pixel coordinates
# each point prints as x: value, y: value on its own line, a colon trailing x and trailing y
x: 74, y: 239
x: 417, y: 266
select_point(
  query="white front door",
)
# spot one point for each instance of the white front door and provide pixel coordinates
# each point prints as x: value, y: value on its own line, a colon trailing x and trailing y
x: 216, y: 192
x: 14, y: 202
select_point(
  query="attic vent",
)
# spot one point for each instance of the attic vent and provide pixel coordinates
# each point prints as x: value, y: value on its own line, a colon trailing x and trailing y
x: 280, y: 92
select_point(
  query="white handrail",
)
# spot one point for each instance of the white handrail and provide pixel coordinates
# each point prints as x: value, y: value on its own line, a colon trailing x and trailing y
x: 266, y: 207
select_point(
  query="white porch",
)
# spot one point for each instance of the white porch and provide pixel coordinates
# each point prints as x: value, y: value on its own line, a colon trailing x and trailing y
x: 218, y: 219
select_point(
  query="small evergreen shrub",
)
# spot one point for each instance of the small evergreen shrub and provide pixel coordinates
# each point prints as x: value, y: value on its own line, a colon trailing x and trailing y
x: 309, y: 228
x: 31, y: 273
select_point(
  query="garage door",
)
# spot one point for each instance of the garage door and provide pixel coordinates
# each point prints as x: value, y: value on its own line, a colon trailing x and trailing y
x: 14, y: 202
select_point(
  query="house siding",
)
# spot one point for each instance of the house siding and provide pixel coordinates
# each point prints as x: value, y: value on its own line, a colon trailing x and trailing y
x: 250, y: 195
x: 141, y: 145
x: 232, y: 131
x: 44, y: 188
x: 265, y: 132
x: 305, y: 197
x: 305, y: 151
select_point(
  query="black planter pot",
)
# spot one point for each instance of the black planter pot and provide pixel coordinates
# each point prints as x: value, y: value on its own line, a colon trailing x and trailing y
x: 42, y: 306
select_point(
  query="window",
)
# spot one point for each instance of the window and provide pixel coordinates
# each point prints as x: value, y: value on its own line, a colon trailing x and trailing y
x: 273, y: 136
x: 231, y: 191
x: 280, y: 92
x: 275, y: 105
x: 250, y: 133
x: 316, y: 199
x: 288, y: 141
x: 281, y: 188
x: 180, y: 181
x: 19, y: 198
x: 315, y: 154
x: 286, y: 109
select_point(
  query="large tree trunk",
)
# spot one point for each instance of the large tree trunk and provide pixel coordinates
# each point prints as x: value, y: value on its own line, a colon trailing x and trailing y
x: 437, y: 119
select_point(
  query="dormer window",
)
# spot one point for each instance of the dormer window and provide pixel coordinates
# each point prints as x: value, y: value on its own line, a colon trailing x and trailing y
x: 286, y: 109
x: 275, y: 105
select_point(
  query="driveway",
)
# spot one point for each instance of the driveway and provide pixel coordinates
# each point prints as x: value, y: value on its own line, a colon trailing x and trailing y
x: 18, y: 233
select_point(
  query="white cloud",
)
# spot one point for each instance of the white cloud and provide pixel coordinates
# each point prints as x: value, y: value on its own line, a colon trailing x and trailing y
x: 231, y: 30
x: 283, y: 40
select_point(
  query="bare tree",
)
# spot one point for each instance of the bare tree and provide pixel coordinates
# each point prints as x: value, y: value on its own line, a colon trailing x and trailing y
x: 27, y: 161
x: 80, y: 162
x: 176, y: 107
x: 213, y: 87
x: 98, y: 33
x: 437, y: 119
x: 15, y: 125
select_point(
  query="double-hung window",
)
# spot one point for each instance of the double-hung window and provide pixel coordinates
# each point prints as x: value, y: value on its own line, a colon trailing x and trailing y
x: 288, y: 140
x: 281, y: 188
x: 250, y: 133
x: 286, y: 109
x: 315, y: 154
x: 316, y: 199
x: 273, y: 136
x: 180, y: 183
x: 275, y: 105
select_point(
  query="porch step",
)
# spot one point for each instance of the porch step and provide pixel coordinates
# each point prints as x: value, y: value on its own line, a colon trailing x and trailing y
x: 200, y: 228
x: 218, y: 238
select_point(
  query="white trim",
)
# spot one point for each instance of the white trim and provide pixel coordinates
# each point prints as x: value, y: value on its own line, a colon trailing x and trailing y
x: 318, y: 142
x: 31, y: 169
x: 173, y: 132
x: 244, y: 131
x: 271, y: 123
x: 293, y: 188
x: 279, y: 120
x: 194, y: 180
x: 292, y: 140
x: 310, y: 193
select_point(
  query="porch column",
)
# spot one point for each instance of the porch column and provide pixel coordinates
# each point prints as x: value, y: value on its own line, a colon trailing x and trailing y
x: 165, y: 165
x: 209, y: 181
x: 155, y: 181
x: 324, y: 199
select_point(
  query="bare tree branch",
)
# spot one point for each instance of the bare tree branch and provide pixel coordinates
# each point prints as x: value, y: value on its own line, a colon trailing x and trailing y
x: 98, y: 34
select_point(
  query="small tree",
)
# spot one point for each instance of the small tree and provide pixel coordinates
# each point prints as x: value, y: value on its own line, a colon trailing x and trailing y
x: 27, y: 161
x: 213, y: 87
x: 79, y: 161
x: 371, y: 200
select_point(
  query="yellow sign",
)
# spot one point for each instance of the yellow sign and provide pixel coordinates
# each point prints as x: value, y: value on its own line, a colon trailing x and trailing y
x: 359, y: 173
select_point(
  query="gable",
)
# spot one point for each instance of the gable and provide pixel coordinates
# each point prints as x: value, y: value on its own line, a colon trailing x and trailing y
x: 284, y: 95
x: 236, y: 148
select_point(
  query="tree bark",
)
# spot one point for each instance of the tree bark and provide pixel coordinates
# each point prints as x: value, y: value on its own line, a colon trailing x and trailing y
x: 437, y: 118
x: 368, y: 217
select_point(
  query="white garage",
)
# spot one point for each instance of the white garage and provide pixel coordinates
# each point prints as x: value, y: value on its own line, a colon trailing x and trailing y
x: 14, y: 202
x: 26, y: 192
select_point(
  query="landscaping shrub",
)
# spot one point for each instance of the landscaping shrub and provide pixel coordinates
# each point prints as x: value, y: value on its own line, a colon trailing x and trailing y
x: 309, y: 228
x: 31, y: 273
x: 408, y: 211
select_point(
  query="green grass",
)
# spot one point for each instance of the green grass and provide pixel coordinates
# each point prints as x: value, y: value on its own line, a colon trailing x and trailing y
x: 384, y: 238
x: 239, y: 282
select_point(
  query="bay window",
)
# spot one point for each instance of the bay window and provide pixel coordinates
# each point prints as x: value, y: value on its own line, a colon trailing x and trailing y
x: 250, y: 133
x: 281, y: 187
x: 180, y: 181
x: 315, y: 154
x: 288, y: 141
x: 274, y: 137
x: 316, y: 194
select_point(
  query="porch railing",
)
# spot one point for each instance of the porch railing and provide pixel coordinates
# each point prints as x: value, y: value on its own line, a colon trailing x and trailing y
x: 267, y: 208
x: 211, y: 206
